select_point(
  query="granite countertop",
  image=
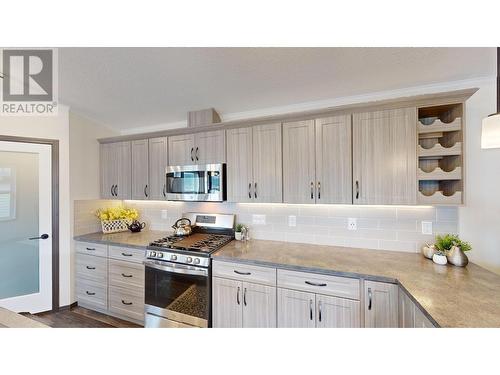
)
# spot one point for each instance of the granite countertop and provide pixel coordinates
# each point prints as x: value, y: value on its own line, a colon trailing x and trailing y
x: 10, y: 319
x: 450, y: 296
x: 128, y: 239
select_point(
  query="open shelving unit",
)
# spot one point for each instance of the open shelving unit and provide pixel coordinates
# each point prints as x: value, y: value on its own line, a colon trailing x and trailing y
x: 440, y: 154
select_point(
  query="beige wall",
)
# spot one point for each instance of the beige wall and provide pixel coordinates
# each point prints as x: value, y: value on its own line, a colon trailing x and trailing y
x: 479, y: 219
x: 84, y: 169
x: 52, y: 127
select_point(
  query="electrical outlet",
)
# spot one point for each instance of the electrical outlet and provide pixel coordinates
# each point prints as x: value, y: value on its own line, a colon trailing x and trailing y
x: 292, y: 221
x: 352, y: 223
x: 164, y: 214
x: 259, y: 219
x: 426, y: 227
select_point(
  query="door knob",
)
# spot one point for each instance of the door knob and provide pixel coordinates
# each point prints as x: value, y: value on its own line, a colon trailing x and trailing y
x: 42, y: 237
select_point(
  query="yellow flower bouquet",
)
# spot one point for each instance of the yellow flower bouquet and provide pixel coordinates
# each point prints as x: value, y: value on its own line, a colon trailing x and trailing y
x: 116, y: 219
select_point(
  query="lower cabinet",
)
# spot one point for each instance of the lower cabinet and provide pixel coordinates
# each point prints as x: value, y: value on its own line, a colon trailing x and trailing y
x: 298, y: 309
x: 381, y: 305
x: 240, y: 304
x: 111, y: 280
x: 410, y: 315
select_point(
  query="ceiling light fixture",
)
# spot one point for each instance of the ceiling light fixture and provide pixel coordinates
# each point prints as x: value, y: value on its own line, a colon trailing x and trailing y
x: 490, y: 137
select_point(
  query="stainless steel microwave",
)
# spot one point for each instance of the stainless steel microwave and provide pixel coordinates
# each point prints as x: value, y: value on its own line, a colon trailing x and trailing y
x: 200, y: 183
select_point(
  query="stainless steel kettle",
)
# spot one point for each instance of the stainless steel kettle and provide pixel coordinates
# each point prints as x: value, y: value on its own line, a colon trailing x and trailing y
x: 182, y: 227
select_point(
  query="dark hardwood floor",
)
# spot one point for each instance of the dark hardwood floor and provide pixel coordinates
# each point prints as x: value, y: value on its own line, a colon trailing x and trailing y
x: 80, y: 317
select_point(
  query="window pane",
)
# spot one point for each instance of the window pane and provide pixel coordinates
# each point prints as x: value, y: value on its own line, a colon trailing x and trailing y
x: 4, y: 205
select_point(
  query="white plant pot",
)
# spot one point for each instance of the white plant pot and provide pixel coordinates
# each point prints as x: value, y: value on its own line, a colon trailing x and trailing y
x: 439, y: 259
x: 237, y: 236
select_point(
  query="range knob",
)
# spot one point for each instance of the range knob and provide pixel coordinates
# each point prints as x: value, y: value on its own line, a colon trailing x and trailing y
x: 160, y: 255
x: 196, y: 261
x: 189, y: 259
x: 152, y: 254
x: 173, y: 257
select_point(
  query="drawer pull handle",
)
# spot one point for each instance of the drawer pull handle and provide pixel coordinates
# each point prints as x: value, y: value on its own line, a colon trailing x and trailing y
x: 90, y: 248
x: 124, y: 275
x: 126, y: 303
x: 90, y: 268
x: 127, y: 254
x: 90, y: 293
x: 315, y: 284
x: 242, y: 273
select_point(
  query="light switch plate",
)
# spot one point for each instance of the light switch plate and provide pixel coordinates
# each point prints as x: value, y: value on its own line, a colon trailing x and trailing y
x: 292, y: 221
x: 259, y: 219
x: 164, y: 214
x: 426, y: 227
x: 352, y: 223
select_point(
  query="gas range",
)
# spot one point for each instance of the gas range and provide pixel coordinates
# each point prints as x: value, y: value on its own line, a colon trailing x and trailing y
x: 210, y: 233
x: 193, y: 249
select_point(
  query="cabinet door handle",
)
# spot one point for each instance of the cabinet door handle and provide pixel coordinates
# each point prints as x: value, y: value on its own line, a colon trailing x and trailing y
x: 196, y: 154
x: 314, y: 284
x: 124, y: 275
x: 319, y: 190
x: 146, y: 191
x: 357, y: 189
x: 369, y: 298
x: 245, y: 296
x: 311, y: 309
x: 255, y: 190
x: 242, y: 273
x: 90, y: 293
x: 164, y: 188
x: 126, y: 303
x: 319, y: 311
x: 312, y: 190
x: 238, y: 296
x: 90, y: 268
x: 250, y: 190
x: 192, y: 157
x: 112, y: 193
x: 127, y: 254
x: 116, y: 190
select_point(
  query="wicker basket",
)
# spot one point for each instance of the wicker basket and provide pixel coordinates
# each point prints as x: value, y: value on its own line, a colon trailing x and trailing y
x: 114, y: 226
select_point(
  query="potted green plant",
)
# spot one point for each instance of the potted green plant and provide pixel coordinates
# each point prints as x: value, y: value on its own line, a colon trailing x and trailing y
x: 450, y: 248
x: 239, y: 229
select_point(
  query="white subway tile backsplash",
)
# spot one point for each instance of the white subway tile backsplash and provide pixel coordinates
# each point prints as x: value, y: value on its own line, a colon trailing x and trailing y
x: 390, y: 228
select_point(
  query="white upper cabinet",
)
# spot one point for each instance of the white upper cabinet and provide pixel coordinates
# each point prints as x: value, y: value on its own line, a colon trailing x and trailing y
x: 158, y: 162
x: 299, y: 178
x: 140, y: 170
x: 385, y: 157
x: 199, y: 148
x: 334, y: 160
x: 181, y: 149
x: 317, y: 161
x: 254, y: 164
x: 115, y: 173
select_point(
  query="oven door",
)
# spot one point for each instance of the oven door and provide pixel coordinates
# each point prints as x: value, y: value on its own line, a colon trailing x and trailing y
x: 176, y: 295
x: 196, y: 183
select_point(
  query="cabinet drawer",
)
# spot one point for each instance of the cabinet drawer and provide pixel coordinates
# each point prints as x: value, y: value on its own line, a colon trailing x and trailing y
x: 126, y: 275
x: 127, y: 253
x: 238, y: 271
x: 92, y: 268
x: 127, y: 303
x: 317, y: 283
x: 96, y: 249
x: 92, y: 294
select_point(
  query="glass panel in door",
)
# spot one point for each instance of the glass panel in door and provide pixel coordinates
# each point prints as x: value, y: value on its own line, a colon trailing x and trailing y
x: 25, y: 212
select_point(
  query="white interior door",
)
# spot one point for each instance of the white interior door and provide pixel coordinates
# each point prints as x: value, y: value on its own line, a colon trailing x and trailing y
x: 25, y: 214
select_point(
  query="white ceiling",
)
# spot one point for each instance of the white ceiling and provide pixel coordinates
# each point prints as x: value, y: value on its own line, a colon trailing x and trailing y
x: 134, y: 87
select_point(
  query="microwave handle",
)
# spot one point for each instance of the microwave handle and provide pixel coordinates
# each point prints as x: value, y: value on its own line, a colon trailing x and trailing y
x: 186, y: 270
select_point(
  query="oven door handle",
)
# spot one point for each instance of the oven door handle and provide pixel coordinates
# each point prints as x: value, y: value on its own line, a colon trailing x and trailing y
x: 178, y: 269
